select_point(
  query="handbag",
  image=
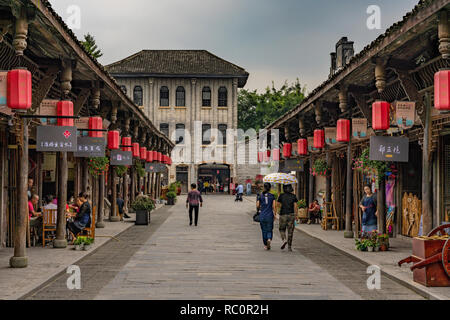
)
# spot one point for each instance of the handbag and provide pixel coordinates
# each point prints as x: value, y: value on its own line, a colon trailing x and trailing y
x: 256, y: 217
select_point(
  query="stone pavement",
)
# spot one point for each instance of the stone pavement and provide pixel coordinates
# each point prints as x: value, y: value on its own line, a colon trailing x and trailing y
x: 222, y: 258
x: 400, y: 248
x: 45, y: 263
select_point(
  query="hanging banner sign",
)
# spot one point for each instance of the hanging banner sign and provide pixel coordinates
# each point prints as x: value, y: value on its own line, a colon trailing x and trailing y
x: 359, y: 128
x: 311, y: 145
x: 389, y: 149
x: 405, y: 114
x: 82, y: 123
x: 121, y: 158
x: 330, y: 135
x: 54, y: 138
x: 3, y: 88
x: 48, y: 108
x: 292, y: 165
x: 154, y: 167
x: 89, y: 147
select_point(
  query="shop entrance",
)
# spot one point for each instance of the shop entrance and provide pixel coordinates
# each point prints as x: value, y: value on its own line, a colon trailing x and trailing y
x: 182, y: 176
x: 217, y: 177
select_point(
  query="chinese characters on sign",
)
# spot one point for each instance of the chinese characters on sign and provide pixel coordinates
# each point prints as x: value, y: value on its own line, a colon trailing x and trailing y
x: 60, y: 139
x: 292, y: 165
x: 330, y: 135
x: 359, y: 128
x: 389, y: 149
x: 90, y: 147
x: 405, y: 113
x: 121, y: 158
x: 154, y: 167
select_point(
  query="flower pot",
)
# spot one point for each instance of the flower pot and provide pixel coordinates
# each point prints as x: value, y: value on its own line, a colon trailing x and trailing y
x: 383, y: 247
x: 178, y: 191
x: 377, y: 248
x: 170, y: 201
x: 370, y: 249
x: 87, y: 247
x: 78, y: 247
x: 142, y: 217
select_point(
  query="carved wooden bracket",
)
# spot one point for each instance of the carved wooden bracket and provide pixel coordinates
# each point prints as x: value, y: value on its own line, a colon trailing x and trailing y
x: 444, y: 34
x: 80, y: 101
x: 301, y: 126
x: 361, y: 102
x: 44, y: 86
x: 318, y: 112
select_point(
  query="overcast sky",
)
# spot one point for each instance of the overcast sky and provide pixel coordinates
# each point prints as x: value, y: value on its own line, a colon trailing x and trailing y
x: 274, y: 40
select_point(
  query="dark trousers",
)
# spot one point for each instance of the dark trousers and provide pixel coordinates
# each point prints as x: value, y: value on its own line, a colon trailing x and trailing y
x: 193, y: 208
x: 267, y: 230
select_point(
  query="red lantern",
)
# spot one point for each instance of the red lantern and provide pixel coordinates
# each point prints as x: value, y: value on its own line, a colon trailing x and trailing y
x: 165, y: 159
x: 149, y: 156
x: 113, y: 140
x: 19, y: 89
x: 155, y: 155
x: 266, y: 156
x: 160, y: 156
x: 143, y: 153
x: 136, y: 151
x: 302, y: 147
x: 442, y: 90
x: 276, y: 154
x: 170, y: 161
x: 380, y: 115
x: 64, y: 109
x: 95, y: 123
x: 319, y: 139
x: 287, y: 150
x: 260, y: 156
x: 343, y: 130
x: 126, y: 141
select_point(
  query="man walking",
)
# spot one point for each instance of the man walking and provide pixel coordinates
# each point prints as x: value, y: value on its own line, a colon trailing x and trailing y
x: 193, y: 201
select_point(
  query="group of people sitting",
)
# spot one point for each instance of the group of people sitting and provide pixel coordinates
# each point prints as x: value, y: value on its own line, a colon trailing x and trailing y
x: 78, y: 213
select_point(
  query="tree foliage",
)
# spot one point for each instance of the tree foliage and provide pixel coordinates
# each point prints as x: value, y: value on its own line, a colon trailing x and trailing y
x: 258, y: 110
x: 91, y: 47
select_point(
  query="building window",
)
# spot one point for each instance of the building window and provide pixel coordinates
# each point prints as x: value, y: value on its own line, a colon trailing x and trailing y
x: 206, y: 134
x: 223, y: 97
x: 164, y: 128
x: 206, y: 97
x: 124, y: 89
x: 179, y: 133
x: 181, y: 97
x: 222, y: 131
x: 137, y: 95
x: 164, y: 97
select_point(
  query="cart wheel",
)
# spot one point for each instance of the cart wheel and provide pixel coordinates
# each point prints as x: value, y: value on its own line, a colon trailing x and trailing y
x: 445, y: 257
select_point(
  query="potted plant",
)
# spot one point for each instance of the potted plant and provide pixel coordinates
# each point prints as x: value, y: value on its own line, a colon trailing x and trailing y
x: 78, y: 244
x: 302, y: 209
x: 384, y: 242
x: 178, y: 184
x: 171, y: 198
x: 360, y: 244
x: 143, y: 205
x: 370, y: 245
x: 320, y: 168
x: 87, y: 244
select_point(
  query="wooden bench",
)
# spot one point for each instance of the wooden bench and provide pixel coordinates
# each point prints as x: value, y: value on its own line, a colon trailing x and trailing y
x: 49, y: 219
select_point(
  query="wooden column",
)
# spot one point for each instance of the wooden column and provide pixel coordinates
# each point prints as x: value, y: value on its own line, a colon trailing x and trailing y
x: 101, y: 202
x: 60, y: 240
x: 311, y: 184
x: 125, y: 192
x: 114, y: 217
x: 20, y: 259
x: 328, y: 179
x: 348, y: 192
x: 381, y: 205
x: 133, y: 185
x: 427, y: 210
x: 85, y: 181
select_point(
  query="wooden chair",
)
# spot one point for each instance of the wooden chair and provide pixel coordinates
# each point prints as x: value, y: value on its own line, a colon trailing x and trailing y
x: 49, y: 218
x: 90, y: 231
x: 329, y: 215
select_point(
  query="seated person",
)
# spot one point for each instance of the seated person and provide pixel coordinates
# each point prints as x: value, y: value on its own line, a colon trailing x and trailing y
x: 83, y: 216
x: 314, y: 212
x: 35, y: 216
x: 50, y: 205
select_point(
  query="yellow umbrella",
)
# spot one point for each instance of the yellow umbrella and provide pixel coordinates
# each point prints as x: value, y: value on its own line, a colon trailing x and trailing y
x: 281, y: 178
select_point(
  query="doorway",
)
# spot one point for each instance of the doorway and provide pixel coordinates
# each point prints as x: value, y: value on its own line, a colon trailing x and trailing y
x: 182, y: 176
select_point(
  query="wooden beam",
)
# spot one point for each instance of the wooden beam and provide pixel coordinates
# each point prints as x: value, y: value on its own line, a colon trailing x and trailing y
x: 361, y: 102
x: 81, y: 100
x: 44, y: 87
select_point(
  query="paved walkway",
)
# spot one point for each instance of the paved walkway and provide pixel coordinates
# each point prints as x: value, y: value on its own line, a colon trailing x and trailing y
x: 222, y: 258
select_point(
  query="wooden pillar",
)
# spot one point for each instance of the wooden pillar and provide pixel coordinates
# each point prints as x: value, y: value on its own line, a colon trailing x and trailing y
x: 60, y: 240
x: 427, y: 210
x: 348, y: 192
x: 101, y: 201
x: 299, y: 185
x: 20, y: 259
x: 133, y: 184
x: 328, y: 179
x: 311, y: 184
x: 381, y: 204
x: 85, y: 181
x: 114, y: 217
x: 125, y: 192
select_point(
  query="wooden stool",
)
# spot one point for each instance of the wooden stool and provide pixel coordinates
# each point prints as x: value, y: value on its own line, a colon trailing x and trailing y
x: 329, y: 215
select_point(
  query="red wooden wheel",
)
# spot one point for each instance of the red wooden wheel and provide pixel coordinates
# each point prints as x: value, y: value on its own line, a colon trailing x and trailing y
x: 440, y: 230
x: 445, y: 257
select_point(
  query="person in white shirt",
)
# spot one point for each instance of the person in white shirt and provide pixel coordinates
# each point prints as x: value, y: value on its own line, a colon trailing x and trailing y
x: 50, y: 205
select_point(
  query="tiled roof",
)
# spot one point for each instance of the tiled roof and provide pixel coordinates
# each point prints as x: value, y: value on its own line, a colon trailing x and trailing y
x: 176, y: 62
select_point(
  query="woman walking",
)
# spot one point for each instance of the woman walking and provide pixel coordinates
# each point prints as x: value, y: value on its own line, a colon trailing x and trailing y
x: 368, y: 205
x: 266, y: 204
x: 287, y: 202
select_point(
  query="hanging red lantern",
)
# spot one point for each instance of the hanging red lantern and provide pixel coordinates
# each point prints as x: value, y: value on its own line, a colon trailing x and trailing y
x: 260, y: 156
x: 442, y: 90
x: 155, y: 155
x: 95, y: 123
x: 19, y: 83
x: 143, y: 153
x: 302, y: 147
x: 136, y: 151
x: 126, y: 141
x: 64, y: 109
x: 149, y: 156
x: 380, y: 115
x: 160, y: 156
x: 343, y: 130
x: 266, y: 156
x: 319, y: 138
x: 170, y: 161
x: 113, y: 140
x: 287, y: 150
x: 276, y: 154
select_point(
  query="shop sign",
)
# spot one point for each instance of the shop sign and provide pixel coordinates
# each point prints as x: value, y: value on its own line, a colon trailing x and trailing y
x: 89, y: 147
x: 330, y: 135
x: 121, y: 158
x: 3, y: 88
x: 292, y: 165
x: 48, y: 108
x: 54, y: 138
x: 154, y: 167
x: 389, y: 149
x: 359, y: 128
x: 311, y: 145
x: 405, y: 114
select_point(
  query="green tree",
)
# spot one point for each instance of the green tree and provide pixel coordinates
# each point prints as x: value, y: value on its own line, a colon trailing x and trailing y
x: 258, y: 110
x: 91, y: 47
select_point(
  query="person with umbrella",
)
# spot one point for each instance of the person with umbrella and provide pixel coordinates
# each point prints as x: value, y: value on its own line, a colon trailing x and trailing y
x: 266, y: 204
